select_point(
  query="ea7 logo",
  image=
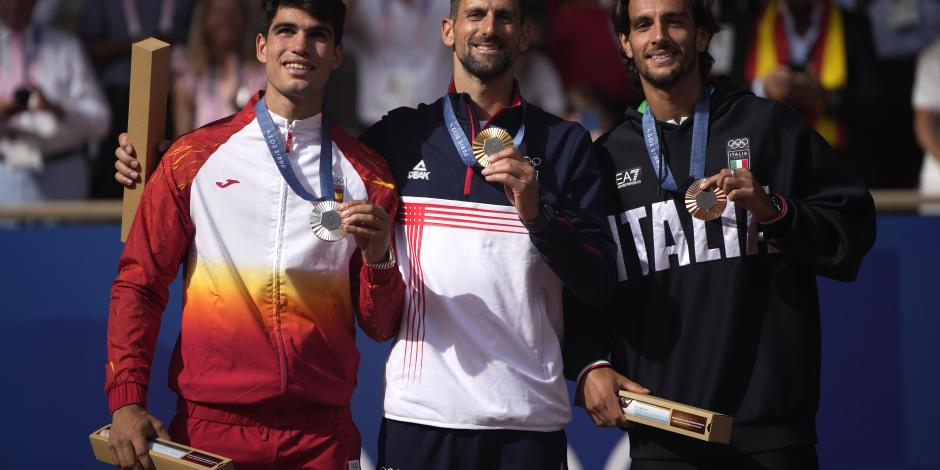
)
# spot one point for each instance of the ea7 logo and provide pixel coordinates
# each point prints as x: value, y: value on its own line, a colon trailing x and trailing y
x: 627, y: 178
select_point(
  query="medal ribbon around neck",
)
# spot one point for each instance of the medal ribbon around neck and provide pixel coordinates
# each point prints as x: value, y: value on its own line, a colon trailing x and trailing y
x: 464, y: 149
x: 699, y: 143
x: 273, y: 138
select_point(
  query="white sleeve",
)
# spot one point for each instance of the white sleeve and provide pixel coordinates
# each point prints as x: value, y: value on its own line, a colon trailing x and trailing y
x: 926, y: 93
x: 87, y: 116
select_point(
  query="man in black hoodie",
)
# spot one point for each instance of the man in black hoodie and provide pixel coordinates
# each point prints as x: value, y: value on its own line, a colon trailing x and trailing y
x: 721, y: 314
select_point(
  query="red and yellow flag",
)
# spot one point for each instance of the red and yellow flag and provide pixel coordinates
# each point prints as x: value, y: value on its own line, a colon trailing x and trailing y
x: 770, y: 48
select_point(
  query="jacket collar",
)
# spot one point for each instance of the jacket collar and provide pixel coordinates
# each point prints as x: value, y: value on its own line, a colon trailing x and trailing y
x: 507, y: 118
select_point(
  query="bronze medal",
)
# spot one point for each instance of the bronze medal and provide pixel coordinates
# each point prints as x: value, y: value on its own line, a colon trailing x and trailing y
x: 326, y: 221
x: 488, y: 142
x: 705, y: 204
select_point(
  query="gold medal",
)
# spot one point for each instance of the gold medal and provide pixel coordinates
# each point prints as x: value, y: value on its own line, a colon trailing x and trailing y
x: 488, y: 142
x: 326, y: 221
x: 705, y: 204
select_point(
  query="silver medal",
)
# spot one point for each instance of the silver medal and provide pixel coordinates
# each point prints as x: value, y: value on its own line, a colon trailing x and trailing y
x: 326, y: 221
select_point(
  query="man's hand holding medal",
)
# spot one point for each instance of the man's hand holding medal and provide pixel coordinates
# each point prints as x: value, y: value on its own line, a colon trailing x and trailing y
x: 370, y: 227
x: 505, y: 165
x: 742, y: 188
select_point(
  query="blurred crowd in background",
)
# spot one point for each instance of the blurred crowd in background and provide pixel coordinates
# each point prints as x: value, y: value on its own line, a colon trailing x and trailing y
x: 866, y: 74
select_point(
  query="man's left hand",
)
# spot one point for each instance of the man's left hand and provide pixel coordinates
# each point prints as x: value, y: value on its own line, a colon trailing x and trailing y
x: 518, y: 179
x: 744, y: 190
x: 370, y: 227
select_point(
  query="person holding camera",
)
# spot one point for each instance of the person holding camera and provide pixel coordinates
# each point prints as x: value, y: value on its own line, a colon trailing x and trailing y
x: 50, y: 108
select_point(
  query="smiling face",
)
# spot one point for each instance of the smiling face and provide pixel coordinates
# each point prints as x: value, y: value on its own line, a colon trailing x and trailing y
x: 299, y: 52
x: 664, y: 41
x: 486, y: 35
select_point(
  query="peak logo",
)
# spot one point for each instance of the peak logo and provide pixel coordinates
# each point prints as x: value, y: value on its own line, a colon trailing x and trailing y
x: 420, y: 172
x: 627, y: 178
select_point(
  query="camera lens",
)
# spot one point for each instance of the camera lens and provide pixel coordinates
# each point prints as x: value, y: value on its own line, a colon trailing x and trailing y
x: 21, y: 97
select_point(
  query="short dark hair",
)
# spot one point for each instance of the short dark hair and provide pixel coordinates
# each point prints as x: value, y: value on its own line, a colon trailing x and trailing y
x: 331, y: 12
x: 701, y: 14
x: 456, y: 3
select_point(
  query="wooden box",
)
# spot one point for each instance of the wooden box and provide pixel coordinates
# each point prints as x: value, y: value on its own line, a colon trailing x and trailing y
x: 676, y: 417
x: 165, y: 455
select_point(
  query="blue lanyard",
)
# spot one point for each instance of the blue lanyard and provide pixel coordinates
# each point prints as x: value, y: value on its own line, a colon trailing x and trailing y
x: 460, y: 138
x: 699, y: 143
x: 273, y: 138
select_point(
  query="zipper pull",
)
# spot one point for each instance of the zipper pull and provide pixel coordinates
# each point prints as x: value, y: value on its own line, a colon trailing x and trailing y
x: 290, y: 136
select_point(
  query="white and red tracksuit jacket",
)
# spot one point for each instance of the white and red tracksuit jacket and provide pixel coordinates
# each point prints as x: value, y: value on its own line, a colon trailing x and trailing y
x: 268, y: 313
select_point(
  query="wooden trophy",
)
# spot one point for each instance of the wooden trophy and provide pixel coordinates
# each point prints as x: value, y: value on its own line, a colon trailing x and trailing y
x: 146, y: 123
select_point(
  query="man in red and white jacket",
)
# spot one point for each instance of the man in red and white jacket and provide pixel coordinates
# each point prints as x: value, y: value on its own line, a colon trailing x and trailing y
x: 266, y: 359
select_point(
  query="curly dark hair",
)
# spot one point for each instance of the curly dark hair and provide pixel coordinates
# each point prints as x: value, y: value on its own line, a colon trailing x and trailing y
x: 701, y: 14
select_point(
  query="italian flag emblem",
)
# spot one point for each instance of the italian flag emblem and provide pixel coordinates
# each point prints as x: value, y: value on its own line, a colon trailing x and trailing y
x: 738, y: 164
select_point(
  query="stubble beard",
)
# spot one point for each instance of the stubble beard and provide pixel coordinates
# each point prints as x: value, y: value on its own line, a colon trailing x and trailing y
x: 486, y: 70
x: 671, y: 77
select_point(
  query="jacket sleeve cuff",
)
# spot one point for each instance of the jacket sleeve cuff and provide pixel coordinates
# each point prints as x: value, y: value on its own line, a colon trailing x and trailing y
x: 558, y: 227
x: 590, y: 367
x: 780, y: 224
x: 375, y: 276
x: 126, y: 394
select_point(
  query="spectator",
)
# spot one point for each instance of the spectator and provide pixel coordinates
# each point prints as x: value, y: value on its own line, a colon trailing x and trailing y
x: 584, y: 49
x: 399, y: 55
x: 818, y: 58
x: 50, y: 108
x: 926, y: 102
x: 901, y: 29
x: 538, y: 78
x: 735, y: 18
x: 217, y: 73
x: 109, y: 28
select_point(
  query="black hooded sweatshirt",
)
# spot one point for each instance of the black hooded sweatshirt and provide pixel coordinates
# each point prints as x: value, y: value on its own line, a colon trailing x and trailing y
x: 724, y: 314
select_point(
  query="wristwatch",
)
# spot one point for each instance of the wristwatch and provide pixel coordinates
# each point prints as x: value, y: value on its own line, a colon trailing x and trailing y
x: 387, y: 264
x: 541, y: 221
x: 775, y: 204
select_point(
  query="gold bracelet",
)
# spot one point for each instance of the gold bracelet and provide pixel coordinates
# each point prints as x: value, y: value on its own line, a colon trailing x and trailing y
x: 387, y: 264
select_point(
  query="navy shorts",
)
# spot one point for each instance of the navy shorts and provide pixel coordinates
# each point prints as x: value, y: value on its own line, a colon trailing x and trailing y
x: 409, y: 446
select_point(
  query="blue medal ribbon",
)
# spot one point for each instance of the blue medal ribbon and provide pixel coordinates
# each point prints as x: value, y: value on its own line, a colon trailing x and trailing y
x: 272, y: 137
x: 464, y: 149
x: 699, y: 143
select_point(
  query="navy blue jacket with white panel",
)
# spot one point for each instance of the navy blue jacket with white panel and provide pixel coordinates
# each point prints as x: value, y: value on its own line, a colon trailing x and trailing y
x: 479, y: 345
